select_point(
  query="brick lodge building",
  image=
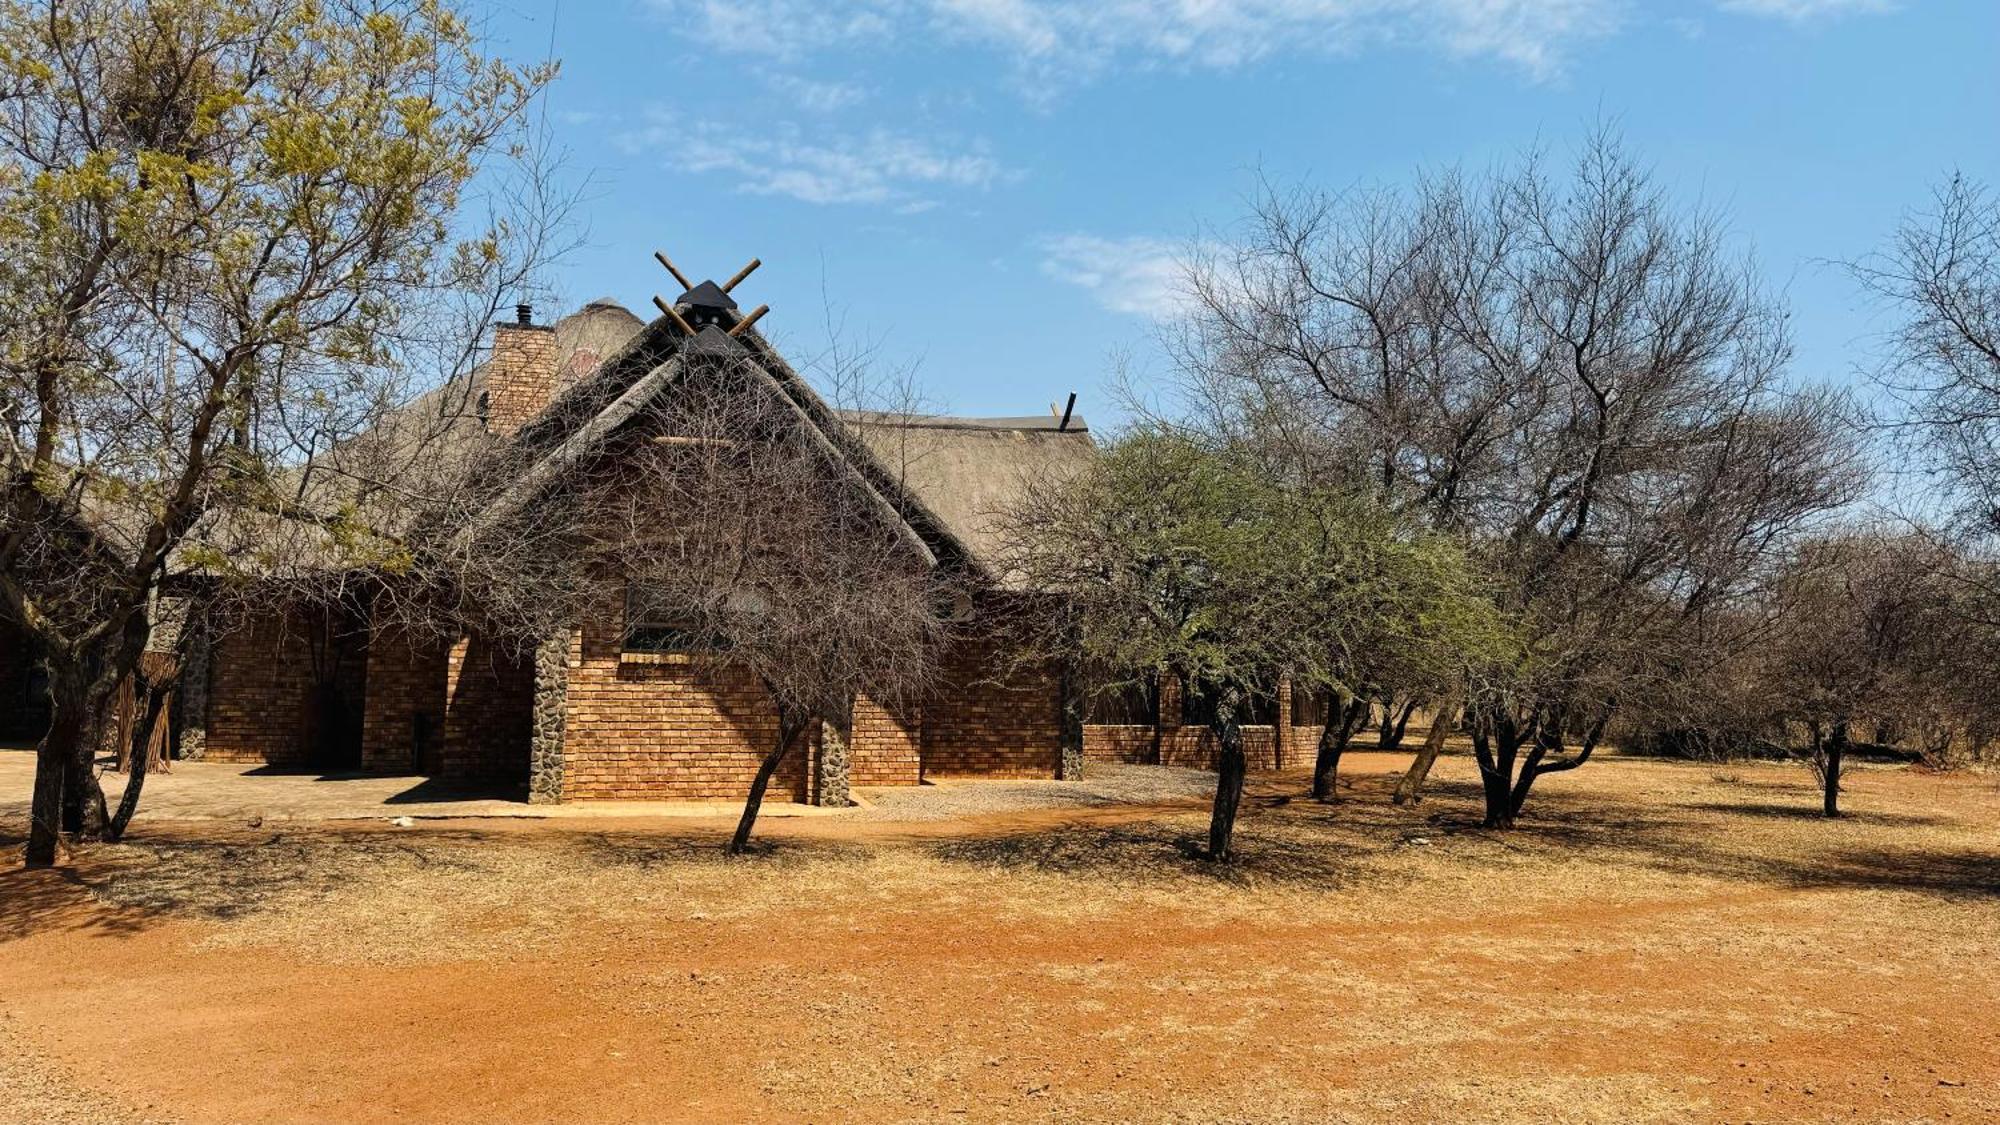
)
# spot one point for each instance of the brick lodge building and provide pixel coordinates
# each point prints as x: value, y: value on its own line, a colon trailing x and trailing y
x: 599, y: 714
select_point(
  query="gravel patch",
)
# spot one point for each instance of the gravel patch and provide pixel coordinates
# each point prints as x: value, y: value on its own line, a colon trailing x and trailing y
x: 1104, y: 784
x: 37, y: 1090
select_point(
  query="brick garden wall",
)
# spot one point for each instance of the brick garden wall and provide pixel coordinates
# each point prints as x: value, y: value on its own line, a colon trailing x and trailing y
x: 1193, y: 747
x: 664, y: 731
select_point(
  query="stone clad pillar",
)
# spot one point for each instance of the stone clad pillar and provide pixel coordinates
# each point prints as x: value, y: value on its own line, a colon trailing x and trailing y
x: 196, y: 648
x: 551, y: 711
x: 831, y: 753
x: 1069, y: 763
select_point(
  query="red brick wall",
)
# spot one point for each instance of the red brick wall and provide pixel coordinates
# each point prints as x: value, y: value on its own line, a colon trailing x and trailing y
x: 992, y: 720
x: 1120, y: 742
x: 490, y: 711
x: 663, y: 731
x: 261, y: 682
x: 403, y: 719
x: 1194, y: 747
x: 887, y: 749
x: 520, y: 376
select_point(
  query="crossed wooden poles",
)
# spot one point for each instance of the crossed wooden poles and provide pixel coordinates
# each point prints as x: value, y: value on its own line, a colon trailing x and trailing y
x: 674, y: 314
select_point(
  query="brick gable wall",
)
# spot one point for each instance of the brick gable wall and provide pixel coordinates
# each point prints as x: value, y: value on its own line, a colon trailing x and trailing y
x: 664, y: 731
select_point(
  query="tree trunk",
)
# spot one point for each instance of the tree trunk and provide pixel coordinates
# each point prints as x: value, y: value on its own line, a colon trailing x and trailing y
x: 52, y: 758
x: 1333, y: 740
x: 1410, y: 789
x: 1230, y: 768
x: 1496, y: 742
x: 1394, y: 722
x: 1836, y: 747
x: 789, y: 729
x: 141, y: 751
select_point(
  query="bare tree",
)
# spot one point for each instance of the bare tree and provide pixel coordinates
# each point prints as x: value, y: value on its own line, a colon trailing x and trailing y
x: 1569, y: 372
x: 1877, y: 646
x: 1941, y: 279
x: 227, y: 244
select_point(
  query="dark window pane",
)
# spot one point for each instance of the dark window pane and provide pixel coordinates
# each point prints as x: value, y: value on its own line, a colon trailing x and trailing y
x: 1127, y: 704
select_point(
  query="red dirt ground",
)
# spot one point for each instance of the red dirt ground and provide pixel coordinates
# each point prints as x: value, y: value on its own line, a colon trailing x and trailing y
x: 1660, y: 942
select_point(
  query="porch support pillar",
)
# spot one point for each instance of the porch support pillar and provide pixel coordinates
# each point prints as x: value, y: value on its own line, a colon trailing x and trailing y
x: 830, y: 760
x: 551, y: 713
x: 1069, y: 717
x: 196, y: 648
x: 1281, y: 735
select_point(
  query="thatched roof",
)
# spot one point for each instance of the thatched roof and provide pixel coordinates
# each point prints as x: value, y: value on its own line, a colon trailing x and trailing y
x: 971, y: 471
x: 946, y: 478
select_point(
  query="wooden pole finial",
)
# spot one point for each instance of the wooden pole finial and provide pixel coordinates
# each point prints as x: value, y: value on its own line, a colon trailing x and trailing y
x: 746, y: 271
x: 673, y: 313
x: 744, y: 324
x: 678, y: 275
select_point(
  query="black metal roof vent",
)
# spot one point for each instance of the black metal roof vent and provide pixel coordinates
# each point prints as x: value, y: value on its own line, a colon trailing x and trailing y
x: 705, y: 303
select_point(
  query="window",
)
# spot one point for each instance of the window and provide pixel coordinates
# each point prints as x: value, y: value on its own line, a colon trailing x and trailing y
x: 650, y: 627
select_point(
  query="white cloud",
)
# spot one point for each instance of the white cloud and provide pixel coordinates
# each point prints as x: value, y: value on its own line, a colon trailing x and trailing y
x: 1058, y: 41
x: 876, y: 167
x: 811, y: 96
x: 785, y: 29
x: 1140, y: 276
x: 1800, y: 11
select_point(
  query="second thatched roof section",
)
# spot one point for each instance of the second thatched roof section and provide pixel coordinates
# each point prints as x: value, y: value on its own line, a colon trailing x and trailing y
x: 972, y: 472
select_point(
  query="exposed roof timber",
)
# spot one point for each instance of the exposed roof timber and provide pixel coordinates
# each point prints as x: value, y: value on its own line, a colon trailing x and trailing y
x: 746, y: 271
x: 678, y: 275
x: 673, y: 314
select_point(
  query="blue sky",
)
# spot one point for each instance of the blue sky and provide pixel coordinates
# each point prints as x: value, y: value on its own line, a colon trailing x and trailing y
x: 994, y: 189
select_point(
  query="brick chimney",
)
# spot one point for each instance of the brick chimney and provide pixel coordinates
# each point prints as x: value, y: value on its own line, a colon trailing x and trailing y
x: 520, y: 374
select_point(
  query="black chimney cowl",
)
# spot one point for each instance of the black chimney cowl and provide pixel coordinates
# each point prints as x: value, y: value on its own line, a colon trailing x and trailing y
x: 524, y: 313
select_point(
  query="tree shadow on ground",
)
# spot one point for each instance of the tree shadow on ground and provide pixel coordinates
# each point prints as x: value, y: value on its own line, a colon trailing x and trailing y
x: 53, y: 900
x: 435, y: 790
x: 1813, y: 812
x: 1286, y: 839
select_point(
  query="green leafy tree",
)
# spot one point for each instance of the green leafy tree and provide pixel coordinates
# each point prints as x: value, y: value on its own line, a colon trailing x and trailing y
x: 1396, y: 613
x: 1171, y: 561
x: 230, y: 238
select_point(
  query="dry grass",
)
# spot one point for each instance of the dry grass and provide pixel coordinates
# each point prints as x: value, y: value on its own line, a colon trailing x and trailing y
x: 1656, y: 944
